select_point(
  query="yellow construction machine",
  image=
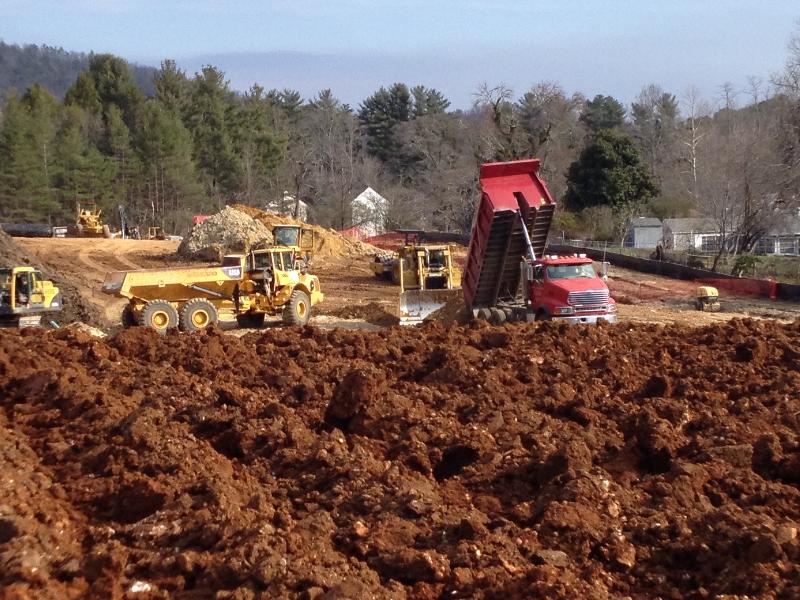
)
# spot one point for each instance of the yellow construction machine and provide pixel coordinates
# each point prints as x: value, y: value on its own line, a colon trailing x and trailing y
x: 25, y: 296
x: 425, y: 273
x: 88, y: 222
x: 707, y: 299
x: 244, y: 288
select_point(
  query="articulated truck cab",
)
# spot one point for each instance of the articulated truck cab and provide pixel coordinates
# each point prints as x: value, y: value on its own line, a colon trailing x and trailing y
x: 508, y: 276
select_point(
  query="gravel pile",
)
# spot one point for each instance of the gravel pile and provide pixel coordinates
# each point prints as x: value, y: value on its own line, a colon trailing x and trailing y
x: 228, y: 231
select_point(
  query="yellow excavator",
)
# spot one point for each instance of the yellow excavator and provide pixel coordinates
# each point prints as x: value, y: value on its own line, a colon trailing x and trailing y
x: 425, y: 272
x: 244, y: 287
x: 25, y: 296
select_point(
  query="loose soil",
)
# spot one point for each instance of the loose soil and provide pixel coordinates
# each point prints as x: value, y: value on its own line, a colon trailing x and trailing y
x: 522, y: 461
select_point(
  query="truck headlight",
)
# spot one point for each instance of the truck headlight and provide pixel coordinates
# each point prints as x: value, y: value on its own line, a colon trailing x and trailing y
x: 564, y: 310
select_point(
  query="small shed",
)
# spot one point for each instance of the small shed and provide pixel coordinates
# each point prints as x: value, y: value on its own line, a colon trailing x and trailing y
x: 643, y: 232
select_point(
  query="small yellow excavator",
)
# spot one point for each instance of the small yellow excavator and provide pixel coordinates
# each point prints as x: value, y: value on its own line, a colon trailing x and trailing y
x: 426, y: 275
x: 707, y: 299
x: 25, y: 296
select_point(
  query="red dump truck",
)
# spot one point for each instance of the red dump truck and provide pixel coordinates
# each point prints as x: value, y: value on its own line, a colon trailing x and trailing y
x: 508, y: 276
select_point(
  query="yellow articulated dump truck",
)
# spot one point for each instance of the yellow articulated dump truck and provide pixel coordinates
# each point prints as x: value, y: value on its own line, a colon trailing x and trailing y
x: 25, y: 296
x: 244, y: 288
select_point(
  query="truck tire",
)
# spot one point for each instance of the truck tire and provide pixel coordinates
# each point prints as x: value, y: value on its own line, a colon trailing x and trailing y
x: 484, y: 313
x: 510, y: 315
x: 197, y: 314
x: 129, y: 317
x: 250, y: 320
x: 159, y: 315
x: 498, y: 316
x: 298, y: 310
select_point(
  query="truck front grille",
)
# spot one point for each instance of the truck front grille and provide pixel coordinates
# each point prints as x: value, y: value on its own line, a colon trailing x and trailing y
x: 590, y: 298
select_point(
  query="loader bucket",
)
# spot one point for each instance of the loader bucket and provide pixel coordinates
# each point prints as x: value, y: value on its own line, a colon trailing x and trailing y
x: 417, y: 305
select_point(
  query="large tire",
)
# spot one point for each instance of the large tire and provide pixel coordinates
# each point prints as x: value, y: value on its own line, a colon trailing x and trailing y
x: 250, y: 320
x: 498, y: 316
x: 129, y: 317
x: 394, y: 276
x: 159, y: 315
x: 298, y: 310
x: 197, y: 314
x: 484, y: 313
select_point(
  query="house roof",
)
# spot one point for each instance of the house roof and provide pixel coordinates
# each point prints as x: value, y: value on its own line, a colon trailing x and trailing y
x: 645, y: 222
x: 370, y: 198
x: 692, y: 224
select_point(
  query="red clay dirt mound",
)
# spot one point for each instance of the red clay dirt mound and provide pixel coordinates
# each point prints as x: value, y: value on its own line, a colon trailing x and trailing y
x: 75, y: 309
x: 523, y: 461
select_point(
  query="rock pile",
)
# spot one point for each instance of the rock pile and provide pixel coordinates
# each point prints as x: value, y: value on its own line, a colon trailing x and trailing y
x: 230, y: 230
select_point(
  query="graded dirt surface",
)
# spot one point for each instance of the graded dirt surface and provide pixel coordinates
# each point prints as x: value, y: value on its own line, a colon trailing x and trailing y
x: 522, y: 461
x: 354, y: 297
x: 84, y: 262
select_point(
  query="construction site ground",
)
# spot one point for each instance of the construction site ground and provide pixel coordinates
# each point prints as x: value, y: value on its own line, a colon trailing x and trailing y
x: 354, y: 298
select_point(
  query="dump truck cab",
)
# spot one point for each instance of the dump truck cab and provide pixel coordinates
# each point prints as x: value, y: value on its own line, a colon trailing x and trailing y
x: 25, y: 295
x: 567, y: 288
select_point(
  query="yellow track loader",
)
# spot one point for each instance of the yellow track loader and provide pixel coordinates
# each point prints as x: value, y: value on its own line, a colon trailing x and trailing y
x: 25, y: 297
x: 244, y: 288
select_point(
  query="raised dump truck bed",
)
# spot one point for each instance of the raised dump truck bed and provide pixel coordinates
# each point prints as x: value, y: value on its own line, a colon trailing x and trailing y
x: 497, y: 245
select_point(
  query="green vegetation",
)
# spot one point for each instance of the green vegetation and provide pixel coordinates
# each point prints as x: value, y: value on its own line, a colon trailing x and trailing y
x: 172, y: 144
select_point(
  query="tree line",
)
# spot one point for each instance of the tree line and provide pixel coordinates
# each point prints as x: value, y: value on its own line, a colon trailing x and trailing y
x: 194, y: 145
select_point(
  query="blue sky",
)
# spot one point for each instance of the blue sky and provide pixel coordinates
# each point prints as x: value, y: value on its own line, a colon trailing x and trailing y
x: 353, y: 46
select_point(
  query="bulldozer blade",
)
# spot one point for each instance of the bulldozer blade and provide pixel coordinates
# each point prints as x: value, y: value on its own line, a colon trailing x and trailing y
x: 417, y: 305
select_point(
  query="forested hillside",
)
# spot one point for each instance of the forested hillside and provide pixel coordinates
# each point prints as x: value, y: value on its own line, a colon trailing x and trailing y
x: 194, y: 145
x: 55, y: 69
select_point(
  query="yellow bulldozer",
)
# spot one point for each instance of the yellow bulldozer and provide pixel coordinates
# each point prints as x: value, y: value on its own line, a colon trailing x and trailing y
x: 25, y: 296
x: 425, y: 272
x: 244, y: 288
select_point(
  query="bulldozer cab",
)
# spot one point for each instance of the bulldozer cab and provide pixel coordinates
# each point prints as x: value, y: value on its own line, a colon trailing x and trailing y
x: 294, y: 236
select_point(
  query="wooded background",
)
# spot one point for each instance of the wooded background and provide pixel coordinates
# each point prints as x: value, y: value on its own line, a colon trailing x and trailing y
x: 168, y: 145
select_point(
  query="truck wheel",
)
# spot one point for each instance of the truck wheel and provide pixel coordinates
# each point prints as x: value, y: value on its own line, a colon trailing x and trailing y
x: 541, y: 315
x: 128, y: 317
x: 509, y: 314
x: 484, y: 313
x: 250, y: 320
x: 159, y: 315
x: 498, y: 316
x: 298, y: 309
x: 197, y: 314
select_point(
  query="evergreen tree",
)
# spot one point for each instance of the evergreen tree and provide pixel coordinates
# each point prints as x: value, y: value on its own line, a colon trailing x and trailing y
x: 603, y: 112
x: 172, y: 87
x: 208, y: 118
x: 609, y: 172
x: 380, y: 114
x: 81, y: 172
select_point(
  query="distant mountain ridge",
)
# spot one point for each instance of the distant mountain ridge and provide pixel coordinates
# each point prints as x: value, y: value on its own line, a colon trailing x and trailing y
x: 54, y: 68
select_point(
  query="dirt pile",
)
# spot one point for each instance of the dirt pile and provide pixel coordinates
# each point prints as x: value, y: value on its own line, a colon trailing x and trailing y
x: 523, y: 461
x: 327, y: 242
x: 230, y: 230
x: 75, y: 308
x: 376, y: 313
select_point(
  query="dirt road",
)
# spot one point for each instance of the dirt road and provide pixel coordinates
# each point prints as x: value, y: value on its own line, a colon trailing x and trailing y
x: 355, y: 298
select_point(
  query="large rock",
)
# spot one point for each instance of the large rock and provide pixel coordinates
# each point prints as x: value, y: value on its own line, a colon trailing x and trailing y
x: 228, y: 231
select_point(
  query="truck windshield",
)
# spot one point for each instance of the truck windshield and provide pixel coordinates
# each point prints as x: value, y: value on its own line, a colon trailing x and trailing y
x: 286, y: 236
x: 570, y: 271
x: 436, y: 258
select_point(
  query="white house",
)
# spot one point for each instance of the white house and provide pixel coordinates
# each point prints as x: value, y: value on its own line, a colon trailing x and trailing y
x: 370, y: 211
